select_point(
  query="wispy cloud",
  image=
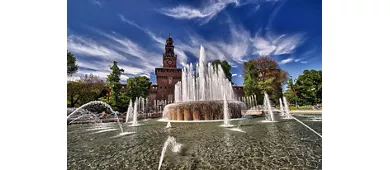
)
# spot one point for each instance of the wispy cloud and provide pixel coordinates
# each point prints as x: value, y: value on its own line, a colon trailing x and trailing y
x: 276, y: 45
x: 233, y: 48
x: 96, y: 2
x: 285, y: 61
x: 205, y: 13
x: 234, y: 75
x: 182, y: 57
x: 132, y: 57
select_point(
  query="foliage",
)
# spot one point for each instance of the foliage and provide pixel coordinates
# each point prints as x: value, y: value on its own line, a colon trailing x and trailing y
x: 113, y: 82
x: 290, y: 93
x: 138, y: 87
x: 225, y: 67
x: 72, y: 67
x: 84, y: 90
x: 264, y: 74
x: 307, y: 90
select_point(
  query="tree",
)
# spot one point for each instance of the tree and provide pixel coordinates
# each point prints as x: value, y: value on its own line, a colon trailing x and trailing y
x: 290, y: 93
x: 307, y: 90
x: 93, y: 87
x: 113, y: 82
x: 74, y: 92
x: 84, y: 90
x: 72, y: 67
x: 309, y: 87
x: 225, y: 67
x: 138, y: 87
x: 264, y: 74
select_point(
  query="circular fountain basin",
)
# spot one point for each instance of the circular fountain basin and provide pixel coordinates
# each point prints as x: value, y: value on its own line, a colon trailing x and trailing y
x: 201, y: 110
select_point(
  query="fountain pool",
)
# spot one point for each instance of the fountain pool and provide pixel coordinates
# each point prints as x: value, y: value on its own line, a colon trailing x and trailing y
x: 285, y: 144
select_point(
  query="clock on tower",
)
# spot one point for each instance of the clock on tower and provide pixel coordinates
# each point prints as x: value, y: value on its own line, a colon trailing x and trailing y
x: 169, y: 57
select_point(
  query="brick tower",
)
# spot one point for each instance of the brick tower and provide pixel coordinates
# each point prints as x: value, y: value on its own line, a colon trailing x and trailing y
x: 169, y: 75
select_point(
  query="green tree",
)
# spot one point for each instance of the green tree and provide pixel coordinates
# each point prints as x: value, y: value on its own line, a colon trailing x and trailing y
x: 225, y: 67
x: 264, y: 74
x: 290, y: 93
x: 113, y: 82
x: 138, y: 87
x: 309, y: 87
x: 72, y: 67
x: 74, y: 92
x: 84, y: 90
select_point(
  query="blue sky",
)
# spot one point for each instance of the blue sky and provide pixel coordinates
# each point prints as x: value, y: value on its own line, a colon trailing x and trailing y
x: 134, y: 33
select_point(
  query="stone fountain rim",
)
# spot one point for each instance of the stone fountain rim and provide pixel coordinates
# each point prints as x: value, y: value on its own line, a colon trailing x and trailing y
x: 195, y: 121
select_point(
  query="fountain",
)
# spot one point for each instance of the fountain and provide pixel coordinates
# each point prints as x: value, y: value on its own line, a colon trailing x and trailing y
x: 168, y: 125
x: 281, y: 107
x: 129, y: 110
x: 226, y: 114
x: 269, y: 116
x: 117, y: 120
x: 199, y: 94
x: 135, y: 113
x: 176, y: 147
x: 89, y: 104
x: 287, y: 111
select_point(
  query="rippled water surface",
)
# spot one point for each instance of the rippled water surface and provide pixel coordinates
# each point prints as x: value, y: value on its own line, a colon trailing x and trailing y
x: 285, y: 144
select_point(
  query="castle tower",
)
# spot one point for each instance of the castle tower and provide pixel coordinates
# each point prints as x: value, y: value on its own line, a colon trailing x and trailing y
x: 169, y: 75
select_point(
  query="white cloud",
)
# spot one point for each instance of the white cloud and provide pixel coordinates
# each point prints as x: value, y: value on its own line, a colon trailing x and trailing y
x: 234, y: 75
x: 240, y: 75
x: 86, y: 46
x: 233, y: 48
x: 131, y: 57
x: 297, y: 60
x: 182, y: 57
x: 276, y: 45
x: 285, y: 61
x: 206, y: 13
x: 96, y: 2
x: 303, y: 62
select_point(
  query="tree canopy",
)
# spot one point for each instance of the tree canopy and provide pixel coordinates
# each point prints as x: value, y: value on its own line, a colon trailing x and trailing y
x: 72, y: 67
x: 87, y: 88
x: 138, y: 87
x: 264, y: 74
x: 119, y: 99
x: 113, y: 81
x: 307, y: 89
x: 225, y: 67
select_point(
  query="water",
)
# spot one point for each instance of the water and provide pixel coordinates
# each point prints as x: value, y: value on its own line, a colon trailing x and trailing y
x: 90, y: 116
x: 135, y: 113
x: 286, y: 109
x: 117, y: 120
x: 206, y: 82
x: 283, y: 145
x: 129, y: 110
x: 171, y: 141
x: 281, y: 107
x: 226, y: 114
x: 168, y: 125
x: 92, y: 103
x: 270, y: 115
